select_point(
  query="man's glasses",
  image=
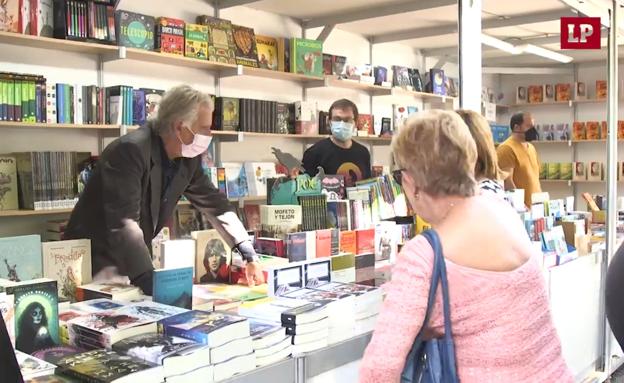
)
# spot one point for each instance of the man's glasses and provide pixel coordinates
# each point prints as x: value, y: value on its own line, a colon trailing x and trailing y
x: 397, y: 175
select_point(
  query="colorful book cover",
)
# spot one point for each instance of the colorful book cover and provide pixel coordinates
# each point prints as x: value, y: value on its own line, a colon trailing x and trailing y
x: 437, y: 81
x: 103, y: 366
x: 20, y: 258
x: 152, y: 100
x: 42, y: 17
x: 620, y: 130
x: 31, y: 366
x: 139, y: 114
x: 400, y: 76
x: 196, y: 41
x: 252, y: 216
x: 323, y: 243
x: 257, y: 175
x: 580, y: 171
x: 348, y: 242
x: 69, y: 263
x: 170, y: 35
x: 174, y: 287
x: 562, y: 92
x: 365, y: 125
x: 327, y: 64
x: 55, y: 354
x: 7, y: 310
x: 213, y: 257
x: 228, y: 113
x: 333, y: 186
x: 236, y: 179
x: 385, y: 242
x: 36, y: 315
x: 554, y: 169
x: 365, y: 241
x: 245, y: 48
x: 134, y: 30
x: 604, y: 131
x: 283, y: 54
x: 220, y: 39
x: 8, y: 183
x: 592, y: 130
x: 270, y: 246
x: 536, y: 94
x: 601, y: 89
x: 306, y: 57
x: 9, y: 16
x: 338, y: 65
x: 197, y: 325
x: 267, y: 52
x: 296, y: 247
x: 578, y: 131
x: 565, y: 170
x: 154, y: 348
x: 343, y: 268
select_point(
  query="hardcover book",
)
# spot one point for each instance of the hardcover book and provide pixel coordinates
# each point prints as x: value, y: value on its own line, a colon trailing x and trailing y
x: 109, y: 366
x: 595, y: 171
x: 227, y: 114
x: 9, y: 22
x: 522, y: 95
x: 213, y: 257
x: 365, y: 241
x: 365, y: 125
x: 257, y: 175
x: 415, y: 80
x: 32, y: 367
x: 578, y: 131
x: 565, y: 171
x: 174, y: 287
x: 601, y: 90
x: 580, y: 91
x: 436, y: 78
x: 220, y: 39
x: 549, y: 93
x: 333, y: 186
x: 283, y: 54
x: 338, y: 65
x: 306, y: 57
x: 554, y: 169
x: 20, y: 258
x: 381, y: 75
x: 580, y: 171
x: 134, y: 30
x: 210, y: 328
x: 400, y: 76
x: 562, y: 92
x: 536, y: 94
x: 267, y: 52
x: 170, y: 35
x: 36, y: 314
x: 196, y: 41
x: 327, y: 64
x: 42, y: 18
x: 69, y: 263
x: 245, y: 46
x: 8, y: 183
x: 592, y: 130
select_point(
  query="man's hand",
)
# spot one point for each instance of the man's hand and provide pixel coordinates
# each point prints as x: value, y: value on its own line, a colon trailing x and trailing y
x: 253, y: 272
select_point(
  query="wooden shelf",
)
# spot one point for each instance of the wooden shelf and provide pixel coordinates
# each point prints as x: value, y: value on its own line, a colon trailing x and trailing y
x: 23, y: 213
x: 56, y: 44
x: 171, y: 59
x: 540, y: 142
x: 39, y: 125
x: 570, y: 182
x: 399, y: 92
x: 277, y: 75
x: 551, y: 103
x: 240, y: 136
x: 335, y: 82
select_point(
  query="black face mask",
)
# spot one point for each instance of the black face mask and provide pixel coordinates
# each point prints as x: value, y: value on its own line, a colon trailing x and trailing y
x: 531, y: 134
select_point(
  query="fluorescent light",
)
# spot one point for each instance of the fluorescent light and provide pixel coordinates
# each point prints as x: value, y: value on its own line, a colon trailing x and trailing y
x: 539, y: 51
x: 499, y: 44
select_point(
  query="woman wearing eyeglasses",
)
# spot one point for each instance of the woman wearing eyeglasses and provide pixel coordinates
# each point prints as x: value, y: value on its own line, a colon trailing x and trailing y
x: 500, y: 317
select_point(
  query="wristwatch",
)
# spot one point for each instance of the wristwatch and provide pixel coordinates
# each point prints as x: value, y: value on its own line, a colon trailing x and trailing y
x: 247, y: 251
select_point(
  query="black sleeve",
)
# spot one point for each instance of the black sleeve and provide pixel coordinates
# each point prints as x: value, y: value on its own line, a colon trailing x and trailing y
x: 310, y: 160
x: 122, y: 172
x: 367, y: 161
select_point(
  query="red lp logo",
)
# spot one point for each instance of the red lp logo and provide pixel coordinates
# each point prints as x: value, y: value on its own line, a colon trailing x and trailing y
x: 580, y: 33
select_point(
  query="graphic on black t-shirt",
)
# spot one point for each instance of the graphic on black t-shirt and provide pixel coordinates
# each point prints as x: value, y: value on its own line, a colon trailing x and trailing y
x: 352, y: 163
x: 351, y: 173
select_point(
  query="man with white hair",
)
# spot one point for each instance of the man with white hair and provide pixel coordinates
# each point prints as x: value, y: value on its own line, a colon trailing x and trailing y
x: 137, y: 183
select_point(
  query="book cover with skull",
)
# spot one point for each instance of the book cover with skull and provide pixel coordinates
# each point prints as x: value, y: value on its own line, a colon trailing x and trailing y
x: 245, y: 46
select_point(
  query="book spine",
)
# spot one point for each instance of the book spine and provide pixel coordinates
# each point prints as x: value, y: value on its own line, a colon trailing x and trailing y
x: 32, y: 101
x: 17, y: 110
x: 3, y: 100
x: 38, y: 110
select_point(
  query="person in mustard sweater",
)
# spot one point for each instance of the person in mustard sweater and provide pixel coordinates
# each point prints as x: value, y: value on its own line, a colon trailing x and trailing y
x: 518, y: 158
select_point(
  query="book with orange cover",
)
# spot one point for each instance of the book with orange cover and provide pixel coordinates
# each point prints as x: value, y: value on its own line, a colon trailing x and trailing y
x: 620, y: 133
x: 562, y: 92
x: 592, y: 130
x: 536, y: 94
x: 601, y: 89
x: 347, y: 242
x: 578, y: 131
x: 604, y: 130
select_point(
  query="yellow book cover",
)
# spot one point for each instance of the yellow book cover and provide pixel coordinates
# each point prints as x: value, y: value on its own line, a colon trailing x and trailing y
x: 578, y: 131
x: 267, y: 52
x: 593, y: 130
x: 566, y: 170
x: 554, y: 169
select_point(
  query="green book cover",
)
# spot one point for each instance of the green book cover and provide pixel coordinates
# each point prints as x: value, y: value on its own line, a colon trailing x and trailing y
x: 10, y: 94
x: 543, y: 174
x: 135, y: 30
x: 554, y: 171
x: 566, y: 170
x: 196, y: 41
x: 220, y: 39
x: 67, y: 104
x: 32, y: 101
x: 306, y: 57
x: 25, y: 102
x: 3, y: 101
x: 17, y: 102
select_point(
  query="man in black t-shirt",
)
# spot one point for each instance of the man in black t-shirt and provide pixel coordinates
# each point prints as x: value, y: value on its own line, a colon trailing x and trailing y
x: 339, y: 154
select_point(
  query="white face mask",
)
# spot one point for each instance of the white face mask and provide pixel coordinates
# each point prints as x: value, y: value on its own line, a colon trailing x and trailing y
x: 198, y: 146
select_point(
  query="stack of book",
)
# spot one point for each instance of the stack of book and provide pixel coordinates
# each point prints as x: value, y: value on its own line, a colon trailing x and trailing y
x: 270, y: 341
x: 113, y: 291
x: 226, y: 335
x: 33, y: 367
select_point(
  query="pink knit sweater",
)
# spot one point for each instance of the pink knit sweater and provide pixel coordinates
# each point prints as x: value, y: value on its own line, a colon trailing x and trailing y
x: 501, y: 321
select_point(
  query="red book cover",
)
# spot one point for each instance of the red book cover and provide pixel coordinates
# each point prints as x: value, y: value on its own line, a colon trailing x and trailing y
x: 323, y: 243
x: 221, y: 182
x: 365, y: 241
x: 347, y: 242
x: 270, y: 246
x: 365, y: 125
x: 170, y: 35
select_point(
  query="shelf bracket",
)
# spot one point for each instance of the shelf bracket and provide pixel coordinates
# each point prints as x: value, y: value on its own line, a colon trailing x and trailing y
x: 326, y: 32
x: 234, y: 72
x: 120, y: 54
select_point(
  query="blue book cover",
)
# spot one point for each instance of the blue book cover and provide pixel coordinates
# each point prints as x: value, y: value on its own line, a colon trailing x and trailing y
x: 296, y: 247
x: 36, y: 315
x: 138, y: 106
x: 500, y: 133
x: 60, y: 105
x: 197, y: 325
x: 20, y: 258
x: 174, y: 287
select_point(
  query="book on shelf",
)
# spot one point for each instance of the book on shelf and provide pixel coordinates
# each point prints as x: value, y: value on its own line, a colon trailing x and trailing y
x: 196, y: 41
x: 245, y: 49
x: 270, y: 246
x: 169, y: 36
x: 549, y: 93
x: 323, y: 243
x: 580, y: 171
x: 343, y: 268
x: 257, y: 174
x: 415, y: 79
x: 139, y: 114
x: 220, y: 39
x: 278, y: 220
x: 436, y: 81
x: 327, y: 64
x: 10, y: 21
x: 134, y: 30
x: 8, y: 183
x: 580, y: 91
x: 33, y: 367
x: 579, y: 131
x: 365, y: 125
x: 365, y: 269
x: 592, y: 129
x: 283, y: 54
x: 178, y: 356
x: 306, y: 57
x: 333, y: 186
x: 22, y: 97
x: 522, y: 95
x: 109, y: 366
x: 69, y: 263
x: 213, y: 329
x: 267, y: 52
x: 113, y: 291
x: 562, y: 92
x: 226, y: 114
x: 300, y: 246
x: 400, y: 77
x: 535, y: 94
x: 174, y: 287
x: 236, y: 179
x: 601, y: 90
x: 152, y: 100
x: 381, y: 75
x: 213, y: 257
x: 313, y: 212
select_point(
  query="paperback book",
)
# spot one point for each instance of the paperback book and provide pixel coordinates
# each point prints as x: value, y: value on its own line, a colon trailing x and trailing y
x: 69, y: 263
x: 210, y: 328
x: 8, y: 181
x: 174, y: 287
x: 245, y: 46
x: 220, y: 39
x: 20, y: 258
x: 306, y: 57
x: 134, y: 30
x: 213, y: 257
x: 33, y: 367
x: 267, y: 52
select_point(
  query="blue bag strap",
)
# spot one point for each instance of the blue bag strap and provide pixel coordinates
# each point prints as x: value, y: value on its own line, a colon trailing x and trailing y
x: 431, y: 237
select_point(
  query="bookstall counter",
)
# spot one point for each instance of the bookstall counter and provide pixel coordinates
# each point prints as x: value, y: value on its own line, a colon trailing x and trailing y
x: 281, y: 372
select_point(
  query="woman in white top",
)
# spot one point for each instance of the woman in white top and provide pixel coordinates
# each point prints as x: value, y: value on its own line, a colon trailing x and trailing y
x: 487, y: 172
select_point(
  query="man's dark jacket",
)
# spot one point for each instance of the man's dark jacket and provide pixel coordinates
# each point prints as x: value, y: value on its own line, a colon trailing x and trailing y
x: 121, y: 209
